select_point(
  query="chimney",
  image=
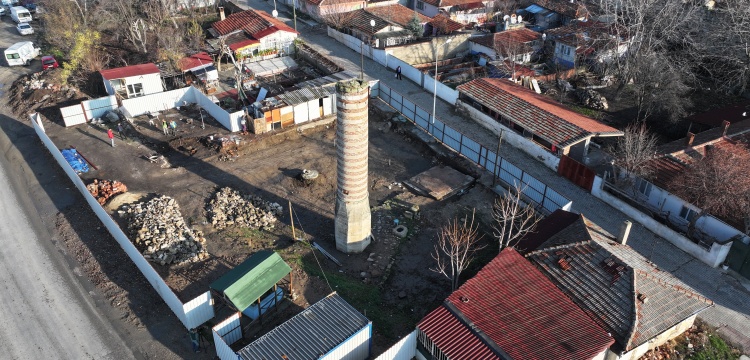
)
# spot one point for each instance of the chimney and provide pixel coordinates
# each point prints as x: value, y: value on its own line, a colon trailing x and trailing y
x: 725, y: 125
x: 221, y: 13
x: 690, y: 138
x: 624, y: 232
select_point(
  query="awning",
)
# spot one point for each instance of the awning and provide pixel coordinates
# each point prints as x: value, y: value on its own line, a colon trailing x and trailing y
x: 249, y: 280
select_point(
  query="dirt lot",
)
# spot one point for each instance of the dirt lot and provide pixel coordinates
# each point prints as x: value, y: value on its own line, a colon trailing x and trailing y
x: 390, y: 282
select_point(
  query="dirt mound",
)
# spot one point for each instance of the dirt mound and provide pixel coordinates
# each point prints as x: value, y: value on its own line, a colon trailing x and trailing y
x: 42, y: 92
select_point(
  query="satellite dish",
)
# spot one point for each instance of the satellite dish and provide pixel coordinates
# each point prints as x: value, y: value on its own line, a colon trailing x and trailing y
x: 506, y: 17
x: 520, y: 19
x: 275, y: 13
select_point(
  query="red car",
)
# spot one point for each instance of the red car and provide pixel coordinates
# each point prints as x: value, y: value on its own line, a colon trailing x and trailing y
x: 49, y: 62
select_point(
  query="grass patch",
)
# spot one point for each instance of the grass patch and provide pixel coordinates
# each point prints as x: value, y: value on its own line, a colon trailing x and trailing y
x: 368, y: 298
x: 596, y: 114
x: 715, y: 349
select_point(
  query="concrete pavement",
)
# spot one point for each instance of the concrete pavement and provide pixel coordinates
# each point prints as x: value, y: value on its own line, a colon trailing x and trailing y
x: 732, y: 310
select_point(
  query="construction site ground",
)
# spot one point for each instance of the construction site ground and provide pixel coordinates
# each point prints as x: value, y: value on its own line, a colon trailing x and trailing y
x: 391, y: 282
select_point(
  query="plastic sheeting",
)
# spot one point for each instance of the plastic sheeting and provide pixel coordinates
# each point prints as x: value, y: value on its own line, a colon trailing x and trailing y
x: 75, y: 160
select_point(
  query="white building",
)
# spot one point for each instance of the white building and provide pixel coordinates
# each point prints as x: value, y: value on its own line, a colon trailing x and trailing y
x: 132, y: 81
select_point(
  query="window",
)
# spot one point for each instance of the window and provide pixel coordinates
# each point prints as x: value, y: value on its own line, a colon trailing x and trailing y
x: 420, y: 5
x: 13, y: 56
x: 644, y: 187
x: 135, y: 90
x: 566, y: 50
x: 687, y: 213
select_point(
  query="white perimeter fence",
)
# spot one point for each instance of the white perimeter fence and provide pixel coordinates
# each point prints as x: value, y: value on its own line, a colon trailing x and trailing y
x: 191, y: 314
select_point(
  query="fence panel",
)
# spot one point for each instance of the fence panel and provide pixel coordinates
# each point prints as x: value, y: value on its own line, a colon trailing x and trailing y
x: 408, y: 108
x: 422, y: 118
x: 405, y: 349
x: 227, y: 333
x: 140, y: 262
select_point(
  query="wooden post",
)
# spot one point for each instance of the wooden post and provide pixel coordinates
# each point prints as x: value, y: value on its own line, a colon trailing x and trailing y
x: 291, y: 218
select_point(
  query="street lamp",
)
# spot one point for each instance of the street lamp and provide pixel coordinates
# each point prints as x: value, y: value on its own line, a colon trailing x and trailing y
x: 434, y: 89
x: 362, y: 52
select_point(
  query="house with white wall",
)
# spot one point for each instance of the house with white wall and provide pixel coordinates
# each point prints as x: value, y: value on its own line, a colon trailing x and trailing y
x: 585, y: 42
x: 325, y: 10
x: 251, y: 34
x: 132, y: 81
x: 517, y: 45
x: 390, y: 24
x: 640, y: 305
x: 462, y: 11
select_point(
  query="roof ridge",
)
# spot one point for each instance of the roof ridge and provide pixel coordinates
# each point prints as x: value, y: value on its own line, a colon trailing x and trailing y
x: 635, y: 313
x: 558, y: 247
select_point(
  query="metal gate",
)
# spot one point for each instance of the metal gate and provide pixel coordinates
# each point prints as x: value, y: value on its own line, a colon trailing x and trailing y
x: 738, y: 258
x: 576, y: 172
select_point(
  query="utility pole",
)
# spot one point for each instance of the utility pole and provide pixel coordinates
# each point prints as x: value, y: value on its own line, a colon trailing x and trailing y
x: 497, y: 157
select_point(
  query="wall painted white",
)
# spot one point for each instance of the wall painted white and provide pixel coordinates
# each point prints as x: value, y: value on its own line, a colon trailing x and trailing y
x: 713, y: 257
x: 511, y: 137
x: 356, y: 347
x: 200, y: 307
x: 404, y: 349
x: 151, y: 84
x: 426, y: 9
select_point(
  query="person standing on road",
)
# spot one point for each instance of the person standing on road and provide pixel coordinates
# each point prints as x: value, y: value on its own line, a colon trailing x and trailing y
x: 111, y: 137
x: 173, y: 125
x: 398, y: 72
x: 121, y: 131
x: 164, y: 127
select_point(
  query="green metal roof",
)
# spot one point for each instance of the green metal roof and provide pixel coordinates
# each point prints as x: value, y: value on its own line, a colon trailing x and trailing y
x: 244, y: 284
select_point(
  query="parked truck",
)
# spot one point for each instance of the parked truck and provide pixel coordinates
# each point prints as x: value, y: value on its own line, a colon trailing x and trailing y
x: 21, y: 53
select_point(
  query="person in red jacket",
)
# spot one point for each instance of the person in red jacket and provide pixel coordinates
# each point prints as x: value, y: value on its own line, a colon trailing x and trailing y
x: 111, y: 137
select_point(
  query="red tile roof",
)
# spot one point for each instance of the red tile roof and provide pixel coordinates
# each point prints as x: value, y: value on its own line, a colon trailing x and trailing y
x: 255, y: 23
x: 536, y: 113
x: 573, y: 10
x: 445, y: 24
x: 514, y: 307
x: 453, y: 337
x: 509, y: 42
x: 446, y: 3
x: 396, y: 13
x: 194, y: 61
x: 129, y: 71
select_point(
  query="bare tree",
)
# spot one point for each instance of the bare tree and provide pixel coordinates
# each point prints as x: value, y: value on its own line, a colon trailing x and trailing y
x: 454, y: 251
x: 513, y: 218
x: 718, y: 183
x: 338, y: 16
x: 634, y: 150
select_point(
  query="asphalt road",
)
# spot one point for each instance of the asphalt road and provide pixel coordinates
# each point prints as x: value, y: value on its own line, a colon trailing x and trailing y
x: 45, y: 311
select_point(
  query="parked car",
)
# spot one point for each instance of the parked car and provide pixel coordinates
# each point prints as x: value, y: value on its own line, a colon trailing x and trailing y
x: 20, y: 14
x: 49, y: 62
x: 21, y: 53
x: 3, y: 12
x: 25, y: 29
x: 30, y: 6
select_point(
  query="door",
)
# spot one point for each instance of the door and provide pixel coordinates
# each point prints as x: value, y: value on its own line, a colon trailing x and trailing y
x: 576, y: 172
x: 739, y: 258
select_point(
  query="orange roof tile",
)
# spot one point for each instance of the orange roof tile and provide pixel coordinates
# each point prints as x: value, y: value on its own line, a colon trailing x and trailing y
x: 536, y: 113
x: 254, y: 23
x: 445, y: 24
x: 509, y: 41
x: 396, y: 13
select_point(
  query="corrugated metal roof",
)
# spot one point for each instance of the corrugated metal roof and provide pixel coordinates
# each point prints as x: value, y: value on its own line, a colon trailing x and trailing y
x: 329, y: 80
x: 129, y: 71
x: 453, y: 338
x: 244, y: 284
x: 310, y: 334
x: 305, y: 94
x: 271, y: 66
x: 513, y: 305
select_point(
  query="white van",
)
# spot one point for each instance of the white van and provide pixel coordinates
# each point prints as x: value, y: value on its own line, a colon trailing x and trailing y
x: 20, y: 14
x: 21, y: 53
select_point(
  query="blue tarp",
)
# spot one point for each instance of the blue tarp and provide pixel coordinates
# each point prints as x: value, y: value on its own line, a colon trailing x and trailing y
x: 265, y: 304
x: 75, y: 160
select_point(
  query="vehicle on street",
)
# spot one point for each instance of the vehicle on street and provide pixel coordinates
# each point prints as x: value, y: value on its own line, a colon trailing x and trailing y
x: 3, y: 12
x: 21, y: 53
x: 30, y: 5
x: 25, y: 29
x: 49, y: 62
x: 20, y: 14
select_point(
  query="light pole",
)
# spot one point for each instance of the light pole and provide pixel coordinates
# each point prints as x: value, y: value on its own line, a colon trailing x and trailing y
x: 434, y: 79
x: 294, y: 10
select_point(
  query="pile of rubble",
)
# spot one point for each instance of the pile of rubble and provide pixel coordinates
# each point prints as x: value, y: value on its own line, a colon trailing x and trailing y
x: 159, y: 231
x: 592, y: 99
x: 103, y: 190
x: 230, y: 208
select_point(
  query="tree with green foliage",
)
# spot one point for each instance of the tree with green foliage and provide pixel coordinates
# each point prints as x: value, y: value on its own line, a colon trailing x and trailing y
x: 414, y: 26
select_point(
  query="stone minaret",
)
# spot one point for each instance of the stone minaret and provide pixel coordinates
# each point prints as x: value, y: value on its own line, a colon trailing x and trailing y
x: 353, y: 222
